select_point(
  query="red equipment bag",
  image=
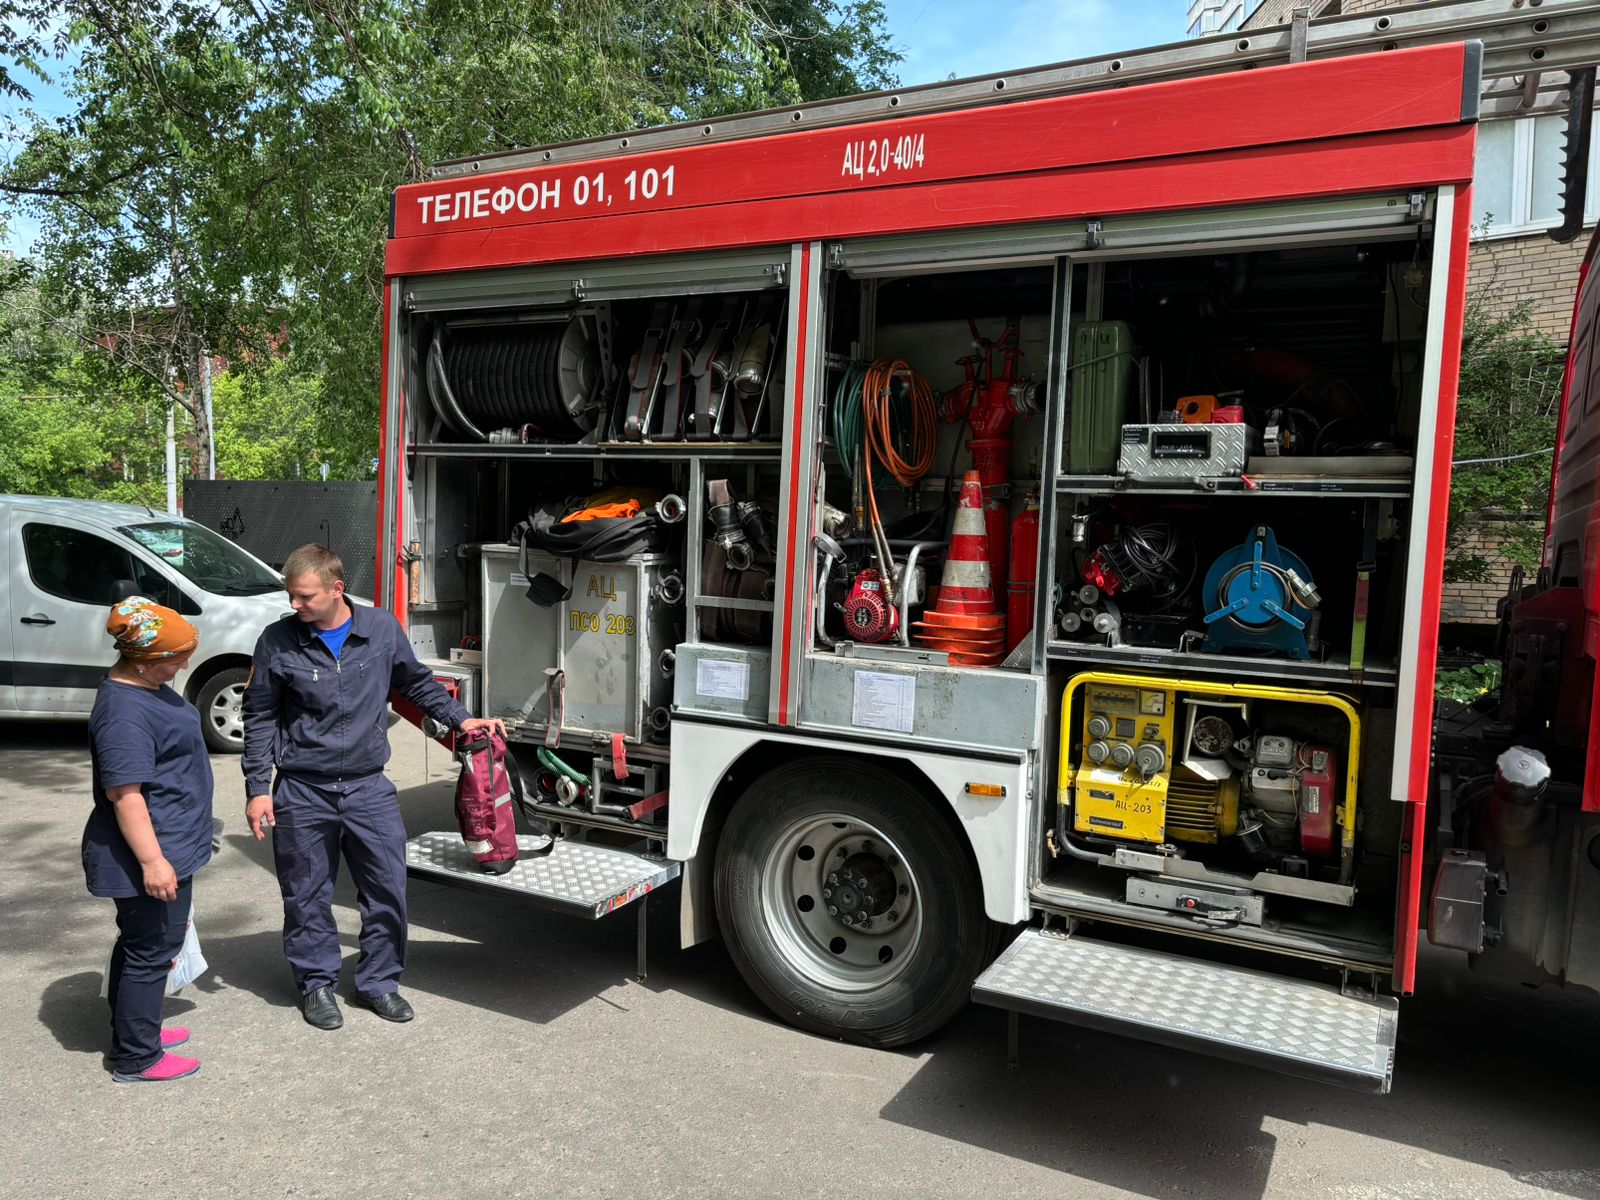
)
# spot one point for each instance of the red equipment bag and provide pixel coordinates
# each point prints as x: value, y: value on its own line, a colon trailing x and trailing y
x: 484, y: 793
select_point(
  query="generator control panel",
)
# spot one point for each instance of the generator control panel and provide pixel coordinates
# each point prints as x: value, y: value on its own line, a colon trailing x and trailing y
x: 1127, y: 750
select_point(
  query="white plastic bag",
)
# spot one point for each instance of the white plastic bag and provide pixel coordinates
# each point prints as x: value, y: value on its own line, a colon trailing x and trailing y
x: 190, y: 963
x: 186, y: 968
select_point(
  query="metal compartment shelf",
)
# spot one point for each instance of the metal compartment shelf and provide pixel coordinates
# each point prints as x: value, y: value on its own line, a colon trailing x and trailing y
x: 1376, y: 674
x: 646, y: 451
x: 1338, y: 487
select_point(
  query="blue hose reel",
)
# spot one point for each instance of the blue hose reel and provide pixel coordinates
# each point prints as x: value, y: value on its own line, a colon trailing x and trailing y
x: 1264, y: 598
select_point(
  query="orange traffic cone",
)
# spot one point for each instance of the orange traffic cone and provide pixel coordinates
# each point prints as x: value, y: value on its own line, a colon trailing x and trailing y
x: 963, y: 622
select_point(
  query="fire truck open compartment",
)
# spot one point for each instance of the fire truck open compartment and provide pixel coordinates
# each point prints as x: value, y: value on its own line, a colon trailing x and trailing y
x: 907, y: 360
x: 1233, y: 517
x: 527, y: 389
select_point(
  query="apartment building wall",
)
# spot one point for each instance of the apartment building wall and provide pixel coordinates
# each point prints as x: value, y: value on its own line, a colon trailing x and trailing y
x: 1277, y: 12
x: 1543, y: 274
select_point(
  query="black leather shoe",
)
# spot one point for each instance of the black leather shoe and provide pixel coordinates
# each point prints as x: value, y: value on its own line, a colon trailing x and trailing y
x: 391, y: 1006
x: 320, y: 1007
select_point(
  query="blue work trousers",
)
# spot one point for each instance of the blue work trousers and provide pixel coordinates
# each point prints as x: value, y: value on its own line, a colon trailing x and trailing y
x: 359, y: 818
x: 149, y: 936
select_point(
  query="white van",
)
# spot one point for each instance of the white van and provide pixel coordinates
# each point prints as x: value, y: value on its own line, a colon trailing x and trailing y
x: 64, y: 559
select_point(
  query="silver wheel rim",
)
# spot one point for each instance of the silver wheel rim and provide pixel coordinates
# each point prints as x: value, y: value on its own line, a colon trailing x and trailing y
x: 834, y: 853
x: 226, y: 713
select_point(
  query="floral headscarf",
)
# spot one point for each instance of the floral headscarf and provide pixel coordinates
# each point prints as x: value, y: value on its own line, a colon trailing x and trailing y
x: 149, y: 632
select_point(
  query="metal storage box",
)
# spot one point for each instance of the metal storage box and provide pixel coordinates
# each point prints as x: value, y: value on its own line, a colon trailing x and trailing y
x: 607, y: 638
x: 1160, y: 452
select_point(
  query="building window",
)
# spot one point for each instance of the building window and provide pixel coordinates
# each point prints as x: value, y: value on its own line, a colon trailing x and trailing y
x: 1516, y: 186
x: 1208, y: 17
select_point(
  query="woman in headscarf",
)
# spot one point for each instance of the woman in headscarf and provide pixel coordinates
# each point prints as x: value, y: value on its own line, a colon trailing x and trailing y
x: 150, y: 829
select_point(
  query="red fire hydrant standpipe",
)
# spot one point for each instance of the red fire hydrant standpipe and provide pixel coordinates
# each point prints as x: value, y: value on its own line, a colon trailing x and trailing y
x: 989, y: 405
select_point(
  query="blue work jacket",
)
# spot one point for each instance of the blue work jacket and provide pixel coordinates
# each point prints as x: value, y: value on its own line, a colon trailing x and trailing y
x: 325, y: 719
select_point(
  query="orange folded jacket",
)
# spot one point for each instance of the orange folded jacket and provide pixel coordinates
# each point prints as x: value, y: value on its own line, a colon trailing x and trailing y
x: 628, y: 508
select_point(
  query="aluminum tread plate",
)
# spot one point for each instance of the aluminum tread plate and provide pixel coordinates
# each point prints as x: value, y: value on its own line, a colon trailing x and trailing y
x: 576, y: 877
x: 1289, y: 1025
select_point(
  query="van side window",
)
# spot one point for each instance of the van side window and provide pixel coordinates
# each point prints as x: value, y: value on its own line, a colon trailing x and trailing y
x: 156, y: 585
x: 78, y: 566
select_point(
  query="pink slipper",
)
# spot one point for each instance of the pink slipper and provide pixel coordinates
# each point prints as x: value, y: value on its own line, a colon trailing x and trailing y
x: 171, y: 1039
x: 165, y: 1068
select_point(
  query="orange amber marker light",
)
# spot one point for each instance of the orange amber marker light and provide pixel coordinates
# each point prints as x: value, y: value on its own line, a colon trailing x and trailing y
x: 997, y: 790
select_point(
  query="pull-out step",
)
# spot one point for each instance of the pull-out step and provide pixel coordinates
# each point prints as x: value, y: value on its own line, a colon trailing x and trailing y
x: 576, y: 878
x: 1287, y: 1025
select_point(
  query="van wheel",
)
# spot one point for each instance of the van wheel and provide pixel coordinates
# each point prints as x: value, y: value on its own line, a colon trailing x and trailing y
x: 849, y: 906
x: 221, y: 705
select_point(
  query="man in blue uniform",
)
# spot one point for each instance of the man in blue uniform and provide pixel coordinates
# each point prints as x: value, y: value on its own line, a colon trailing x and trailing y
x: 316, y: 708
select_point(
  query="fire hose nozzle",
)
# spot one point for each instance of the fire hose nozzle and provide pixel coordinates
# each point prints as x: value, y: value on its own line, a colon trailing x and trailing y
x: 754, y: 524
x: 1024, y: 397
x: 1304, y: 590
x: 727, y: 528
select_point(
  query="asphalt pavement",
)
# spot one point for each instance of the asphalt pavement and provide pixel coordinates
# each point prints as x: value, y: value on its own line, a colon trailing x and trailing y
x: 537, y: 1067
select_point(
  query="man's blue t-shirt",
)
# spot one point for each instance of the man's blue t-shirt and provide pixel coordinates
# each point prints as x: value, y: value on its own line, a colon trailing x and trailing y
x: 151, y: 738
x: 334, y: 638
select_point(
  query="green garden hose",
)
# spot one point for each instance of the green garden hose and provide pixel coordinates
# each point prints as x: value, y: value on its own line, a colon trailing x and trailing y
x: 550, y: 762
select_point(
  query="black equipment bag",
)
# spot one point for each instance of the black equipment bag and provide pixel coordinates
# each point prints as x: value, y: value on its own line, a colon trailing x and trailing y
x: 602, y: 539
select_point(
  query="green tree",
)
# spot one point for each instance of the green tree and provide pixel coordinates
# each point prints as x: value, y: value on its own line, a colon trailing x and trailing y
x: 70, y: 423
x: 1506, y: 411
x: 263, y: 418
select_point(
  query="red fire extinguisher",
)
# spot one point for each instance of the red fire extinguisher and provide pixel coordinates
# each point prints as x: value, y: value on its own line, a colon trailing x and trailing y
x: 1024, y: 573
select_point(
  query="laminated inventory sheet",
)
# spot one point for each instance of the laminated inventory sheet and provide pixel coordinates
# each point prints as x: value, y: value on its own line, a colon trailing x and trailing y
x: 884, y: 701
x: 722, y: 679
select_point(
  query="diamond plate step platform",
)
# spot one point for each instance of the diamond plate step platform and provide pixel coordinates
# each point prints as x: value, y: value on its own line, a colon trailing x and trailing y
x: 1286, y: 1025
x: 576, y: 878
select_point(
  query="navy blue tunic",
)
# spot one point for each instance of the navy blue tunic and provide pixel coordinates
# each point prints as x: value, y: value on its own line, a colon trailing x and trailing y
x: 151, y: 738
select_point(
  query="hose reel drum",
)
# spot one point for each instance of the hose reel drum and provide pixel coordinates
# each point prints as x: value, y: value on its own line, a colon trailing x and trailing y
x: 1260, y: 598
x: 515, y: 381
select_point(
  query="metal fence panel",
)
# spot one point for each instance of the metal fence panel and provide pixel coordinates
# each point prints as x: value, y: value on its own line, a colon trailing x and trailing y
x: 271, y: 519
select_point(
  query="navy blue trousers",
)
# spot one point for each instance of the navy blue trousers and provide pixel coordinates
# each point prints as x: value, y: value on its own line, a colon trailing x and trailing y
x: 149, y: 936
x: 359, y: 819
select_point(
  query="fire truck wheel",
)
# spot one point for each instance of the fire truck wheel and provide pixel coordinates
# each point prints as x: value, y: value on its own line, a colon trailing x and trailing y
x: 221, y: 704
x: 850, y: 907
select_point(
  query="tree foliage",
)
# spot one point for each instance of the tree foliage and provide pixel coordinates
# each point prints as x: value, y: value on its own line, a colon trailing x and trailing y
x: 225, y: 171
x: 263, y: 417
x: 1506, y: 410
x: 72, y: 423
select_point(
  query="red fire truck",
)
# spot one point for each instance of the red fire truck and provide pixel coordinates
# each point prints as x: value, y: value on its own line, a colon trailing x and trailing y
x: 1009, y: 512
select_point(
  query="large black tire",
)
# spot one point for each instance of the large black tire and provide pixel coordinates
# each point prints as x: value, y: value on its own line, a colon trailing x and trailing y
x: 221, y: 704
x: 859, y: 832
